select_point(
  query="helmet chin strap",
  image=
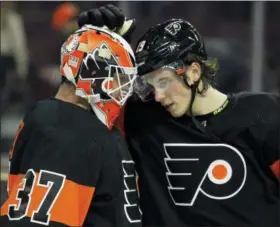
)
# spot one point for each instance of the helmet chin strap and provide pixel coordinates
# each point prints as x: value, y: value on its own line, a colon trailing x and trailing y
x: 193, y: 88
x: 197, y: 124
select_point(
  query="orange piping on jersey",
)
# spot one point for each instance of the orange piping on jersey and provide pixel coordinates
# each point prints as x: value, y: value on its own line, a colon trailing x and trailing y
x: 120, y: 122
x: 275, y: 168
x: 70, y: 208
x: 11, y: 152
x: 12, y: 180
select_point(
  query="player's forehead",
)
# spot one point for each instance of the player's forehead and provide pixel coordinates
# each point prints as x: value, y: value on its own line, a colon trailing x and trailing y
x: 159, y: 74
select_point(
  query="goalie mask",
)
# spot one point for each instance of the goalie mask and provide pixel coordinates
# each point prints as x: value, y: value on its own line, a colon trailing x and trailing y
x: 101, y: 65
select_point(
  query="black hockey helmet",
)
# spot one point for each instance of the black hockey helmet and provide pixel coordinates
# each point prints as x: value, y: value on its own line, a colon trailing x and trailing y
x: 166, y: 43
x: 172, y: 44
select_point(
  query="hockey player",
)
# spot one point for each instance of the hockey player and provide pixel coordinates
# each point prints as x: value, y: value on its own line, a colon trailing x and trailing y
x: 204, y: 158
x: 69, y: 166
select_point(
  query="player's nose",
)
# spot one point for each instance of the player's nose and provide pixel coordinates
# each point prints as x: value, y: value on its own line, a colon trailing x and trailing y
x: 159, y: 95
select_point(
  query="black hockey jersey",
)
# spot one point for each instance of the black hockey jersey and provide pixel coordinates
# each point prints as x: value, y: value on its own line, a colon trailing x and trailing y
x: 227, y: 176
x: 68, y: 169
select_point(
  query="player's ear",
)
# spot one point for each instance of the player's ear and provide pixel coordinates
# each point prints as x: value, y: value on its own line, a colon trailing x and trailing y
x: 193, y: 72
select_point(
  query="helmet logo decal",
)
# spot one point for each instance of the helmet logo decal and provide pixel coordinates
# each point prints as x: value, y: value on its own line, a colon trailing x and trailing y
x: 140, y: 46
x: 70, y: 45
x: 107, y: 84
x: 173, y: 28
x: 172, y: 46
x: 94, y: 72
x: 73, y: 61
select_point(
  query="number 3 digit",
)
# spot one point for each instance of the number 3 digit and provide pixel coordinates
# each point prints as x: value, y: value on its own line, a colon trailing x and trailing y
x: 23, y: 196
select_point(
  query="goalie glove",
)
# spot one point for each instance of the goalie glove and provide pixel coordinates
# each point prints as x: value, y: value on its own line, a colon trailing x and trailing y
x: 110, y: 17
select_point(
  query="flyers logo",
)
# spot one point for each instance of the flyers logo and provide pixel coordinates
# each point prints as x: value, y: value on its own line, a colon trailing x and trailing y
x: 173, y: 28
x: 131, y: 207
x: 218, y: 171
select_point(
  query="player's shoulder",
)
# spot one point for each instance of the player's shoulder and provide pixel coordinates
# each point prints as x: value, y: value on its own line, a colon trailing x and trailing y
x: 260, y: 98
x: 263, y: 106
x: 66, y: 120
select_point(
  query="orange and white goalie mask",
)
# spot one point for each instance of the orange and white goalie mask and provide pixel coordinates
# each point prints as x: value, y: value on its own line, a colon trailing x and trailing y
x: 101, y: 64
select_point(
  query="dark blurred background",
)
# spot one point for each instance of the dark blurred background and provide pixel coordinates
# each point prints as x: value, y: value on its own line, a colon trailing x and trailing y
x: 244, y: 36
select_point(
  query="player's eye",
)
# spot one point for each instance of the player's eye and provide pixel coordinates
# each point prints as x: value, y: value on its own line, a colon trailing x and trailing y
x: 163, y: 83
